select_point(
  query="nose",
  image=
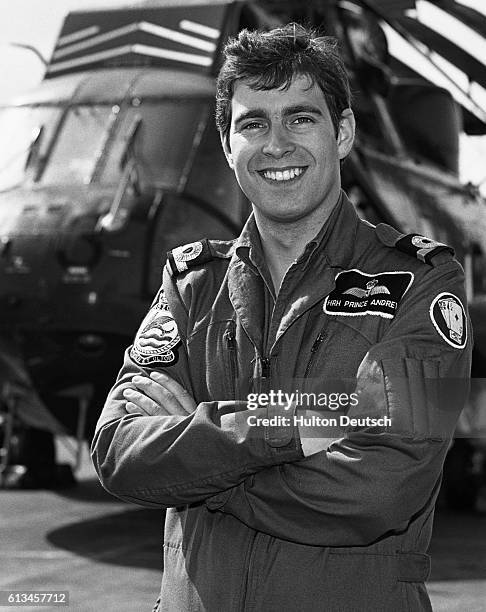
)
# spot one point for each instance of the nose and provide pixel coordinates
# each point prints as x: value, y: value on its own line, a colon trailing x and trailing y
x: 278, y: 142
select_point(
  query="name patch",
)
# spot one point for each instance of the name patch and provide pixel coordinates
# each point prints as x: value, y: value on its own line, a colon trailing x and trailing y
x: 157, y: 337
x: 358, y: 293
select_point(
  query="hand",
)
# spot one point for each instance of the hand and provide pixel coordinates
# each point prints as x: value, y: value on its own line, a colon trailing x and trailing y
x: 158, y: 395
x: 314, y: 438
x: 311, y: 446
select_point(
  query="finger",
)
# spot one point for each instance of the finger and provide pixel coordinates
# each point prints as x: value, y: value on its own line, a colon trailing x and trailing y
x: 184, y: 397
x: 143, y: 404
x: 132, y: 408
x: 159, y: 394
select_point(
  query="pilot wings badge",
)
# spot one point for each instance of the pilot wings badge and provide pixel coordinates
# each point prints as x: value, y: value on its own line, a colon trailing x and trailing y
x: 157, y: 336
x: 449, y: 319
x: 372, y: 288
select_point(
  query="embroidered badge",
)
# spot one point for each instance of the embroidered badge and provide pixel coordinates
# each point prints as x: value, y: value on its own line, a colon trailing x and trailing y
x: 186, y: 253
x: 358, y: 293
x: 157, y: 337
x: 194, y: 254
x: 449, y: 319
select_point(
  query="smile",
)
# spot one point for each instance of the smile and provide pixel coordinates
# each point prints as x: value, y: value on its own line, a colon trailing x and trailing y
x: 289, y: 174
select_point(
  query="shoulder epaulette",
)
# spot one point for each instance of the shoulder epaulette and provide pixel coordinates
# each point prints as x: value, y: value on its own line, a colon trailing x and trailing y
x: 194, y: 254
x: 423, y: 248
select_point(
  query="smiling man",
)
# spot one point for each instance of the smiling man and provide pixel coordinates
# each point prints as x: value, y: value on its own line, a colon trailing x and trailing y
x: 285, y: 150
x: 323, y: 502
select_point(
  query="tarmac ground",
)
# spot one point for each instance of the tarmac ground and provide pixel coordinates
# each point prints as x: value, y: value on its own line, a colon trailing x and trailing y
x: 107, y: 554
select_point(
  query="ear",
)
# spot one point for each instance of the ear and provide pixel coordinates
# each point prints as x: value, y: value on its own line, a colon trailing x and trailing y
x: 347, y: 128
x: 226, y: 148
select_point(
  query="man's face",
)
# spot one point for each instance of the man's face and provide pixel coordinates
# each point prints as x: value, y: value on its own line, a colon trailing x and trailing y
x: 284, y: 150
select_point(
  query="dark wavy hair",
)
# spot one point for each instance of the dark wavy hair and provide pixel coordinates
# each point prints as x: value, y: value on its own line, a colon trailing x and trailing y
x: 270, y: 60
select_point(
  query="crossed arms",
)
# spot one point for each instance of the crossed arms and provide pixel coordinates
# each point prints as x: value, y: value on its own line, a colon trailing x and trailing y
x: 157, y: 447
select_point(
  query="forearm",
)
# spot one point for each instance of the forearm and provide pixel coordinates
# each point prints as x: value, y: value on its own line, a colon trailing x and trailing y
x: 350, y: 495
x: 176, y: 460
x: 369, y: 480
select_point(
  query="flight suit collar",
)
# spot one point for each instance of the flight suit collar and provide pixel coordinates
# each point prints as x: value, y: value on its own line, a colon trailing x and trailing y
x: 337, y: 237
x: 335, y: 240
x: 308, y: 280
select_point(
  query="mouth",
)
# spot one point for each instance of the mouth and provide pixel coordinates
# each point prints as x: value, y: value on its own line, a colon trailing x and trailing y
x: 283, y: 175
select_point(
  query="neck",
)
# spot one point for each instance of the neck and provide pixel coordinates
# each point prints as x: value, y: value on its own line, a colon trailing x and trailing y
x: 283, y: 243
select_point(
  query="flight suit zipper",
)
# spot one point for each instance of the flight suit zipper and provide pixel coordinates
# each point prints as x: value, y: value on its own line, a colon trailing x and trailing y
x: 265, y: 367
x: 265, y: 374
x: 261, y: 374
x: 313, y: 352
x: 230, y: 340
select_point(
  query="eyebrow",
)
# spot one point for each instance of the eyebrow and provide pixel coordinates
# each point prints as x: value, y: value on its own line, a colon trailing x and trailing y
x: 287, y: 111
x: 302, y: 108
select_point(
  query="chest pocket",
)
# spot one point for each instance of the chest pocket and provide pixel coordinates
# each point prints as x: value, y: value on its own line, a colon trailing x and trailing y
x: 341, y: 344
x: 213, y: 359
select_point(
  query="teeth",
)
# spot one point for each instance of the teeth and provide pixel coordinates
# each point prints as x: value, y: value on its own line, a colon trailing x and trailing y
x: 286, y: 175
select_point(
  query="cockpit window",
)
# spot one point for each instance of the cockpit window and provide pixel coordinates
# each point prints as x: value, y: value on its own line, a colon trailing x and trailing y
x: 161, y: 147
x: 96, y: 142
x: 79, y: 145
x: 26, y: 132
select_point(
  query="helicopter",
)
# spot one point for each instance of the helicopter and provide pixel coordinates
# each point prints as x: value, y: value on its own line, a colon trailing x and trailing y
x: 114, y: 159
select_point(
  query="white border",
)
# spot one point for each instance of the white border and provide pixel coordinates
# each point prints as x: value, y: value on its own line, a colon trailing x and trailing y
x: 385, y: 315
x: 431, y: 313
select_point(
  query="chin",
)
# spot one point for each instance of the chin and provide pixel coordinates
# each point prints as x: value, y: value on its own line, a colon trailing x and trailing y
x: 284, y: 216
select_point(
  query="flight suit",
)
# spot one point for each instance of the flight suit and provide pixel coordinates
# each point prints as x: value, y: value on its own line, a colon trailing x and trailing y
x: 252, y: 524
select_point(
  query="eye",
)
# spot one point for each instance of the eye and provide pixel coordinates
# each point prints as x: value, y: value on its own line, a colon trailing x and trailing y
x: 252, y: 125
x: 302, y: 120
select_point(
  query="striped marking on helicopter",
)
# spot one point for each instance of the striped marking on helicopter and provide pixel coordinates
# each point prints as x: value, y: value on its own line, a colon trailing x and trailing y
x: 178, y: 56
x: 199, y: 28
x: 142, y: 26
x: 79, y: 35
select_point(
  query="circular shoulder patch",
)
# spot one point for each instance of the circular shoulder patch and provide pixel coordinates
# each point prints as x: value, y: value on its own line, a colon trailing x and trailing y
x: 421, y: 242
x: 157, y: 336
x: 449, y: 319
x: 186, y: 253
